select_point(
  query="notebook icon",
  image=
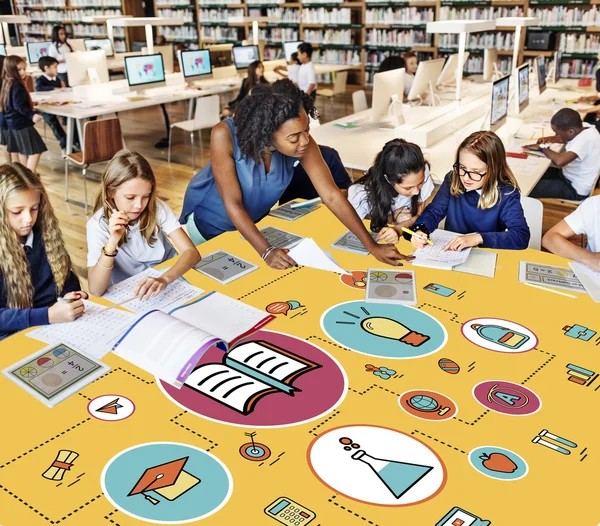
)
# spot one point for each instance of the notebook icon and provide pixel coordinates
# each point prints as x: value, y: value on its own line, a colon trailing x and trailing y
x: 169, y: 480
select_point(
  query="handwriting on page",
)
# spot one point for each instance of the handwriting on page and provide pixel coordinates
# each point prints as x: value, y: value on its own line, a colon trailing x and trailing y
x: 436, y: 254
x: 94, y: 333
x: 175, y: 295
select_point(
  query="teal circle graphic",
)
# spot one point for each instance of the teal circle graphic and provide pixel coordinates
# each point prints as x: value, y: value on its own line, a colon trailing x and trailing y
x: 384, y: 330
x: 498, y: 463
x: 193, y: 491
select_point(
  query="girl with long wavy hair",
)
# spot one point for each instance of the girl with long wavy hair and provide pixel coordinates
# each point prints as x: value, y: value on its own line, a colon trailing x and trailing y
x: 35, y: 268
x: 479, y: 198
x: 128, y: 232
x: 394, y: 190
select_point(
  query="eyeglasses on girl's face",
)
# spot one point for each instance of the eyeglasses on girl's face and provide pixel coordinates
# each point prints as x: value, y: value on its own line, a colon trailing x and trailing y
x: 463, y: 172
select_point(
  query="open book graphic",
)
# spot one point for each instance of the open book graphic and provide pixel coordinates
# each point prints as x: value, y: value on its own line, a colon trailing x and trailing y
x: 248, y: 373
x: 170, y: 345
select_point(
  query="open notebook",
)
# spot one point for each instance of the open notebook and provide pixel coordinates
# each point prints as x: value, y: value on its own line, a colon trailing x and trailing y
x: 170, y: 345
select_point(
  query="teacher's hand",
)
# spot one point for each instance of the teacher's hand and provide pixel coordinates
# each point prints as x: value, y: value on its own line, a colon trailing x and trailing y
x: 279, y: 259
x: 389, y: 255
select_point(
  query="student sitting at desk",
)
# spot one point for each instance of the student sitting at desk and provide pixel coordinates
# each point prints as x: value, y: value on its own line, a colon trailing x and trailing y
x: 59, y: 49
x: 583, y: 221
x: 252, y: 160
x: 479, y: 198
x: 394, y: 189
x: 256, y: 72
x: 35, y: 268
x: 49, y: 81
x: 292, y: 69
x: 128, y: 232
x: 412, y: 63
x: 576, y: 169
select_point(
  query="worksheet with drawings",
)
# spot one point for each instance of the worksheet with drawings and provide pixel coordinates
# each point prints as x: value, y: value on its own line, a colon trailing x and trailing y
x: 435, y: 256
x: 95, y: 332
x: 350, y: 243
x: 288, y: 213
x: 175, y: 295
x: 224, y: 267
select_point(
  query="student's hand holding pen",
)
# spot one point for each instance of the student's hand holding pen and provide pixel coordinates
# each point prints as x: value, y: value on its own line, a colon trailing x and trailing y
x: 117, y: 225
x: 419, y: 239
x: 68, y: 308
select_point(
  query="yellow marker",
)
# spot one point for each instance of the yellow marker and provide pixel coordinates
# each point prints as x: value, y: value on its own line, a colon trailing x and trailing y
x: 409, y: 231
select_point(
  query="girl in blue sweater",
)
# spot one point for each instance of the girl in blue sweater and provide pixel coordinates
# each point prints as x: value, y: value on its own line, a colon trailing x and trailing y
x: 35, y: 268
x: 479, y: 198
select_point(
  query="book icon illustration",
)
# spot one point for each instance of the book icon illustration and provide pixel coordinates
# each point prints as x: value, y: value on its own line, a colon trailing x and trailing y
x: 248, y: 373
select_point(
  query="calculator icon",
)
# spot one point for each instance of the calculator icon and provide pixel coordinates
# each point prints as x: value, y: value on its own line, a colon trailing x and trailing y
x: 286, y: 511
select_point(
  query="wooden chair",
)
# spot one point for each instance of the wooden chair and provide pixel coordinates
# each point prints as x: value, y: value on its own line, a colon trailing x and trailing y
x: 339, y: 88
x: 102, y: 139
x: 359, y: 101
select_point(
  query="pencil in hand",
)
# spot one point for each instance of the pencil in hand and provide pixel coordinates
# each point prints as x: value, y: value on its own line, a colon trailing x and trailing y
x: 409, y: 231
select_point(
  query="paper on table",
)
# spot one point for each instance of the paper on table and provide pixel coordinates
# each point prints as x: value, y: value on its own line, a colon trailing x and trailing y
x: 94, y: 333
x: 589, y: 278
x: 435, y: 256
x: 175, y: 295
x: 479, y: 263
x: 308, y: 254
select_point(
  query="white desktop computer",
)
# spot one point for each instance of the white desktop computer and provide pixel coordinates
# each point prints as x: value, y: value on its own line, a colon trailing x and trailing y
x: 35, y: 50
x: 243, y: 56
x: 541, y: 73
x: 145, y: 71
x: 388, y: 91
x: 499, y: 107
x: 87, y: 67
x: 195, y: 64
x: 522, y: 78
x: 448, y: 74
x: 425, y: 78
x: 92, y: 44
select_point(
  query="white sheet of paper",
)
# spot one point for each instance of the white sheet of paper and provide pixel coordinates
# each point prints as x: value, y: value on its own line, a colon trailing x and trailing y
x: 589, y: 278
x: 175, y: 295
x: 435, y: 256
x: 479, y: 263
x: 309, y: 254
x: 94, y: 333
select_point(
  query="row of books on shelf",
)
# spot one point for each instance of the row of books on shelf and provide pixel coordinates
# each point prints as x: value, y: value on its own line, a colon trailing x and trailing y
x: 219, y: 15
x: 175, y: 3
x: 63, y: 3
x: 186, y: 14
x: 499, y: 40
x: 179, y: 32
x: 219, y: 33
x: 328, y: 36
x: 337, y: 56
x: 561, y: 15
x: 399, y: 15
x: 479, y: 13
x: 322, y: 15
x: 225, y: 2
x: 284, y: 14
x: 277, y: 34
x: 577, y: 68
x: 374, y: 58
x: 103, y: 3
x: 579, y: 43
x: 398, y: 38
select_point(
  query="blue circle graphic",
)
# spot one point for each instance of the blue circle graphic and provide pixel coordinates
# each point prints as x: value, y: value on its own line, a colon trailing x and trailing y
x: 498, y: 463
x: 199, y: 488
x: 384, y: 330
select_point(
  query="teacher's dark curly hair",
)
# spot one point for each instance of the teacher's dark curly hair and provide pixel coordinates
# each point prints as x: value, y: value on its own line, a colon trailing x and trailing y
x: 263, y: 112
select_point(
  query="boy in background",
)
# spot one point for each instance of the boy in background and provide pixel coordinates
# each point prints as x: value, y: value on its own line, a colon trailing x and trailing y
x: 411, y: 64
x: 307, y: 76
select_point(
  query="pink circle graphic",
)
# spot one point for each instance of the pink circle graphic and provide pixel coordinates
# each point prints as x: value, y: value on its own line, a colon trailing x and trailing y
x: 313, y: 393
x: 507, y: 398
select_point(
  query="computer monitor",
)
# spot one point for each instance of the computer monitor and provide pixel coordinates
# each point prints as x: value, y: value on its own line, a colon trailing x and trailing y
x: 35, y: 50
x: 243, y: 56
x: 145, y: 70
x: 79, y: 63
x: 2, y: 49
x: 291, y: 47
x: 425, y: 77
x: 490, y: 61
x: 448, y: 74
x: 195, y: 64
x: 105, y: 44
x: 499, y: 109
x: 522, y: 87
x: 541, y: 73
x: 388, y: 88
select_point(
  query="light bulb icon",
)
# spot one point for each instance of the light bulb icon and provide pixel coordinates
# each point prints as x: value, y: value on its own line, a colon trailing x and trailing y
x: 393, y: 330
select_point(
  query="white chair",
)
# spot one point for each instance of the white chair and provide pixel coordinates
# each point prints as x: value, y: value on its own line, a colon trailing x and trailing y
x: 359, y: 101
x: 339, y: 88
x: 534, y: 215
x: 208, y: 114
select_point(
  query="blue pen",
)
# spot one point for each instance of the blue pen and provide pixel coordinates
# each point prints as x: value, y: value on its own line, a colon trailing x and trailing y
x: 306, y: 204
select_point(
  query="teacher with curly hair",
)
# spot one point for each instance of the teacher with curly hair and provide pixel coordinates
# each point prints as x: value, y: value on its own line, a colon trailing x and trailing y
x: 252, y: 160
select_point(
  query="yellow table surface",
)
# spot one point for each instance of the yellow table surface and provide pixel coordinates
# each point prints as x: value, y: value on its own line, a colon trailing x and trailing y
x: 558, y: 489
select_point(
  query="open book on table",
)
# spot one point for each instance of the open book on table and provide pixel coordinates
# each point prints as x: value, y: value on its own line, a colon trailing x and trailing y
x: 170, y: 345
x: 249, y: 372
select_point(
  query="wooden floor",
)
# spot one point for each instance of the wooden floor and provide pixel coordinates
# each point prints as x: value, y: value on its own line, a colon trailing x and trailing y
x: 141, y: 130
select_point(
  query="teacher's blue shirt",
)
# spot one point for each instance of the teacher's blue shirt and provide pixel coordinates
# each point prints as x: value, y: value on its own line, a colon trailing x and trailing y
x: 260, y: 191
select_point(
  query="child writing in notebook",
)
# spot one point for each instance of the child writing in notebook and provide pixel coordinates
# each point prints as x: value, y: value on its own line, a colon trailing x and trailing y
x: 128, y: 231
x: 394, y: 189
x: 35, y: 268
x: 479, y: 198
x: 584, y: 220
x: 18, y: 114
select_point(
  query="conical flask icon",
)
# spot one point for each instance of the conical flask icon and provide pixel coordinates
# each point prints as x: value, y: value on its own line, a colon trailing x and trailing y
x: 398, y: 477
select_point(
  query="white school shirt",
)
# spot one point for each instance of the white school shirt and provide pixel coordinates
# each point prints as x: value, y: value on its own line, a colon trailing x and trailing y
x: 136, y: 255
x: 586, y: 220
x: 293, y: 72
x: 307, y: 76
x: 59, y: 53
x: 359, y: 199
x: 582, y: 172
x: 408, y: 82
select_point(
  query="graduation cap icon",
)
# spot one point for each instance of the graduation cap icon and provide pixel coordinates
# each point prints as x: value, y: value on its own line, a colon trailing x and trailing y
x: 169, y: 480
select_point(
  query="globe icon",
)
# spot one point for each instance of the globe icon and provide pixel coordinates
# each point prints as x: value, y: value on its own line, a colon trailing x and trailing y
x: 423, y: 403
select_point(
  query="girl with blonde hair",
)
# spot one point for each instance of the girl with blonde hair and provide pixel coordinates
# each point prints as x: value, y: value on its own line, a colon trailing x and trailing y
x: 35, y: 268
x: 128, y: 231
x: 479, y: 198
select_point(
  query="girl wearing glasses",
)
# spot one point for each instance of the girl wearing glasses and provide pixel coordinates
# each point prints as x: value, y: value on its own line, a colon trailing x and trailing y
x: 394, y: 190
x: 479, y: 198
